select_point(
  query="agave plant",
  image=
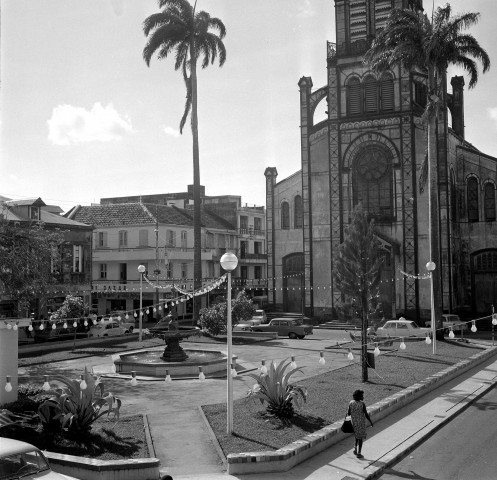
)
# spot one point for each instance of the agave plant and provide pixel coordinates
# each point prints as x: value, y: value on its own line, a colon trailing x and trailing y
x: 274, y: 389
x: 76, y: 406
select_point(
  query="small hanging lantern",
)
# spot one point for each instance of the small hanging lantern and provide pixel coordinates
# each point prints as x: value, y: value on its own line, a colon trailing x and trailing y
x: 293, y: 364
x: 376, y: 351
x: 46, y: 385
x: 134, y: 381
x: 451, y: 333
x: 135, y: 314
x: 65, y: 324
x: 402, y: 345
x: 54, y: 326
x: 15, y: 326
x: 201, y: 375
x: 473, y: 327
x: 263, y: 367
x: 322, y: 361
x: 75, y: 324
x: 428, y: 340
x: 350, y: 355
x: 494, y: 319
x: 30, y: 328
x: 8, y: 385
x: 83, y: 384
x: 168, y: 377
x: 233, y: 371
x: 85, y: 322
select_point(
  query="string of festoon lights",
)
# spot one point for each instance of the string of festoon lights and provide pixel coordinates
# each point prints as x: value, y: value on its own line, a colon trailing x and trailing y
x: 263, y: 368
x: 246, y: 283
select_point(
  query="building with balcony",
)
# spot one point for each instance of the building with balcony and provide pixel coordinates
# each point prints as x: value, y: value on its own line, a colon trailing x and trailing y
x: 248, y: 221
x: 73, y: 274
x: 160, y: 237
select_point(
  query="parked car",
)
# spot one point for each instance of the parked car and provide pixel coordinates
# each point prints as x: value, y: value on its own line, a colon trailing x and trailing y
x: 451, y: 320
x: 107, y: 329
x: 258, y: 318
x: 402, y: 328
x: 20, y: 459
x: 242, y: 327
x: 286, y: 327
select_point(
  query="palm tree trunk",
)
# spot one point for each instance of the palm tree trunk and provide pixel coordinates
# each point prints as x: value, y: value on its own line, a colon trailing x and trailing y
x: 197, y: 237
x: 434, y: 230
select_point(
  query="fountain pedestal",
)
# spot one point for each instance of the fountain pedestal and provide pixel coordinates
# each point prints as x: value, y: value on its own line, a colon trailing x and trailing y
x: 173, y: 351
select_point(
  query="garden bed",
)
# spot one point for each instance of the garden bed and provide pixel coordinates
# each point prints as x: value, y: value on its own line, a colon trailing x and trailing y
x: 107, y: 440
x: 328, y: 397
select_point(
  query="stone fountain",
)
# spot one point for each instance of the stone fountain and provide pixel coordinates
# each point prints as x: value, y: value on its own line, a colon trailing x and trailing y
x: 175, y: 360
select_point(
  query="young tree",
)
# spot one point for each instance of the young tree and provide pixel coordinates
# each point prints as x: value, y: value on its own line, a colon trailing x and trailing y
x: 178, y: 29
x: 356, y: 270
x: 412, y: 41
x: 72, y: 308
x: 214, y: 319
x: 28, y: 256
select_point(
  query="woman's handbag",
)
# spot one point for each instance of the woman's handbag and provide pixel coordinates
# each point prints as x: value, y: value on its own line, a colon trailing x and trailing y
x: 347, y: 425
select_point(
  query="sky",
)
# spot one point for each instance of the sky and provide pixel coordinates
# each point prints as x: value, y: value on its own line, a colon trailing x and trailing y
x: 84, y: 118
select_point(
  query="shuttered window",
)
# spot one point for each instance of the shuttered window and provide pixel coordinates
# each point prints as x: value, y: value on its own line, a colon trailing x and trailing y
x: 386, y: 93
x: 472, y: 200
x: 354, y: 97
x: 143, y: 238
x: 370, y: 95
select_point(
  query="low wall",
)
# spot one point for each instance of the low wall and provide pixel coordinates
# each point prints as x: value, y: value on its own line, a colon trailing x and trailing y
x: 296, y: 452
x: 90, y: 469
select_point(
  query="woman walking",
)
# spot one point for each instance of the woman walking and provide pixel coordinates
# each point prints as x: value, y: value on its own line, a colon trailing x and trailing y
x: 358, y: 413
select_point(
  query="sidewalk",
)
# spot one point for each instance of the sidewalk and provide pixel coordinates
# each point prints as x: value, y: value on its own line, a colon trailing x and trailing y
x: 391, y: 438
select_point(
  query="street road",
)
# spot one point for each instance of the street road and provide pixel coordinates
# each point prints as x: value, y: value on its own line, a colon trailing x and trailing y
x: 463, y: 450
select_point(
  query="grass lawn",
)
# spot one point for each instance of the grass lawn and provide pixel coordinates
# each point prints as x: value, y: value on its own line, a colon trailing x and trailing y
x: 329, y: 395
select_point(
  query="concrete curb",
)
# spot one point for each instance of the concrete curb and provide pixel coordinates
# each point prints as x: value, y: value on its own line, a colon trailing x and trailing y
x: 287, y: 457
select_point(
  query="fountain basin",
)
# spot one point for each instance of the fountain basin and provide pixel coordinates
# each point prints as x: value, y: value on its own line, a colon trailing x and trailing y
x: 150, y: 363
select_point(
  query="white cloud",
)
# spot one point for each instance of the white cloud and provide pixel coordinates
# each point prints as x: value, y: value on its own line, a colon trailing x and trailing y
x: 492, y: 112
x: 171, y: 131
x: 73, y: 125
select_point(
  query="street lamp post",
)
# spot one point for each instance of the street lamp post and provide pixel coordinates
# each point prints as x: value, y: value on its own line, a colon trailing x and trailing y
x: 229, y: 263
x: 430, y: 266
x: 141, y: 270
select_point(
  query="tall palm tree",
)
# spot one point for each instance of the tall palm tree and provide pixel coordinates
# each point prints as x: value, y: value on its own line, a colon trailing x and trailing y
x: 411, y: 40
x: 186, y: 34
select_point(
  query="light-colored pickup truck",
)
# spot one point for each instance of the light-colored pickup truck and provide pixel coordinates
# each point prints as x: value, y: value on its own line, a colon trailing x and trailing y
x: 285, y: 327
x: 451, y: 320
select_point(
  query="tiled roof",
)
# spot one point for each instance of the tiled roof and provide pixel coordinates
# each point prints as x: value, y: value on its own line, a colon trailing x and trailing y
x: 37, y: 202
x: 122, y: 214
x: 53, y: 219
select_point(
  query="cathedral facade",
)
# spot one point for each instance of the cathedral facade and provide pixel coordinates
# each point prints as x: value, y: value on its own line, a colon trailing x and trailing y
x: 370, y: 149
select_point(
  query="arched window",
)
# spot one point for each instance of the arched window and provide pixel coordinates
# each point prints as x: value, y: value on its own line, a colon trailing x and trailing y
x: 354, y: 97
x: 387, y: 93
x: 472, y: 199
x: 489, y: 202
x: 370, y: 94
x: 372, y: 184
x: 299, y: 217
x: 285, y: 216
